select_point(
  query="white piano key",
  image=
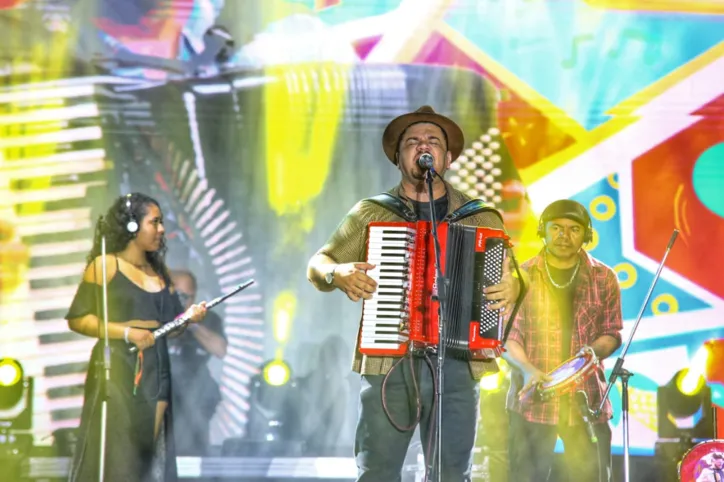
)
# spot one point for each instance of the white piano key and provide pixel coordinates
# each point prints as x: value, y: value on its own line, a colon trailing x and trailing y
x: 373, y: 321
x: 389, y: 243
x: 390, y: 289
x: 373, y: 305
x: 384, y: 259
x: 385, y: 337
x: 395, y: 251
x: 391, y: 311
x: 387, y: 281
x: 378, y: 250
x: 371, y: 332
x: 378, y: 258
x: 385, y: 297
x: 391, y: 229
x: 387, y: 315
x: 388, y: 266
x: 399, y: 283
x: 379, y: 270
x: 379, y: 274
x: 372, y: 318
x: 393, y: 281
x: 385, y: 243
x: 393, y: 325
x: 390, y: 234
x: 385, y: 309
x: 384, y: 327
x: 372, y: 345
x: 386, y: 306
x: 389, y: 295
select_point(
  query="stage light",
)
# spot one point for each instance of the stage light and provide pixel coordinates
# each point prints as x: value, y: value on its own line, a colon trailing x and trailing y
x: 494, y: 381
x: 10, y: 372
x: 693, y: 378
x: 284, y: 309
x: 689, y: 382
x: 276, y: 373
x: 684, y: 407
x: 685, y: 413
x: 16, y: 410
x: 490, y: 382
x: 273, y: 424
x: 11, y: 384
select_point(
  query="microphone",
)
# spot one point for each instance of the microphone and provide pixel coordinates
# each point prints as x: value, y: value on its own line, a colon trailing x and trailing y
x: 582, y: 402
x: 425, y: 161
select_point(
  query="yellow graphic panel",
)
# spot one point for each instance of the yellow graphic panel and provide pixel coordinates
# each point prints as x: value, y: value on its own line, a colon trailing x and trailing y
x: 682, y: 6
x: 303, y: 108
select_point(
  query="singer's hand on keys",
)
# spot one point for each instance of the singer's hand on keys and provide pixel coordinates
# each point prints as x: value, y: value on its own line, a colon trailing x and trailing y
x: 141, y: 338
x: 196, y: 313
x: 354, y: 282
x: 533, y: 377
x: 504, y: 293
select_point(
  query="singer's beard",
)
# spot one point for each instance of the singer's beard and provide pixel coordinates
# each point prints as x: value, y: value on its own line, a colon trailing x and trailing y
x: 419, y: 175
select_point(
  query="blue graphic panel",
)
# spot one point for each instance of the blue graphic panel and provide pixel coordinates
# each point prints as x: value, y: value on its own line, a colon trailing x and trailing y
x: 574, y: 55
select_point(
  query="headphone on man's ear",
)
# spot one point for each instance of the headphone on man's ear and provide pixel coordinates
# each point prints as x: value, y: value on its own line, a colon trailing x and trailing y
x: 132, y: 225
x: 545, y: 217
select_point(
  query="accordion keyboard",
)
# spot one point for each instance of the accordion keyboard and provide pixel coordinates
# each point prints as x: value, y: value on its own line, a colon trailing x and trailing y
x: 385, y: 316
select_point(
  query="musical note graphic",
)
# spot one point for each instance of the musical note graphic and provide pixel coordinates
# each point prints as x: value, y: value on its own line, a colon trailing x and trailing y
x: 578, y: 40
x: 629, y: 37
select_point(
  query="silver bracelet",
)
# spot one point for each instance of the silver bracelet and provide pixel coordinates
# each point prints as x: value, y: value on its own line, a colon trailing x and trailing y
x: 125, y: 333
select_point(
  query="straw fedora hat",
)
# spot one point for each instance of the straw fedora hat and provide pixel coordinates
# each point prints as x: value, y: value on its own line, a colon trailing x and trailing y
x: 393, y: 131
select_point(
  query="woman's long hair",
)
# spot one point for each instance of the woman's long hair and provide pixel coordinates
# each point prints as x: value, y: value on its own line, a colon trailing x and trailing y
x: 114, y: 225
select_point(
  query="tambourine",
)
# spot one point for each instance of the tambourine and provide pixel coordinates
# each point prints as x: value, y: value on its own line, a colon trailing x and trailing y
x: 703, y: 462
x: 565, y: 378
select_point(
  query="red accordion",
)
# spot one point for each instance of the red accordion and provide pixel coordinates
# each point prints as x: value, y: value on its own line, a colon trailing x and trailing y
x: 402, y: 315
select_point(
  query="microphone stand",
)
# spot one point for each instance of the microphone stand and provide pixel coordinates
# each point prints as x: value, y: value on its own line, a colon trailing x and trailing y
x: 442, y: 297
x: 620, y: 371
x: 105, y: 379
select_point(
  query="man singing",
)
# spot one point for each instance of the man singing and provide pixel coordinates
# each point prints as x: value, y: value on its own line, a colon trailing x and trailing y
x: 380, y: 447
x: 574, y: 302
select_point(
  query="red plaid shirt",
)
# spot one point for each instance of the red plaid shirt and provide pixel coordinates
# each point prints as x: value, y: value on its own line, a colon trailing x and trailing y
x: 537, y: 328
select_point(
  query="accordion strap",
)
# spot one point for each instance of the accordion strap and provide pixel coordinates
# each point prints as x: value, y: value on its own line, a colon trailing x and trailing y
x: 471, y: 208
x: 394, y: 204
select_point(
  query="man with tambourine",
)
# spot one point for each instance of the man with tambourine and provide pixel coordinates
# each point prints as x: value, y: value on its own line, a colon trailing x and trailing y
x: 570, y: 319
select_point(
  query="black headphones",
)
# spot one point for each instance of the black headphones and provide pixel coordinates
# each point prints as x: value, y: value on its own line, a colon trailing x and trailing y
x: 566, y: 208
x: 132, y: 225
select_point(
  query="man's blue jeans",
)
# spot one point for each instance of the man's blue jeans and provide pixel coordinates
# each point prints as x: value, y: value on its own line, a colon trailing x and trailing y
x: 380, y: 448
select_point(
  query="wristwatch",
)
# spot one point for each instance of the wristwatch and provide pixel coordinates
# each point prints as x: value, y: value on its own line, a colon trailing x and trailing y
x: 329, y: 277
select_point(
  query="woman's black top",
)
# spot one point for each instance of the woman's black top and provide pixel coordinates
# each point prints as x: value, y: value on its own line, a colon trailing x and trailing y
x: 131, y: 451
